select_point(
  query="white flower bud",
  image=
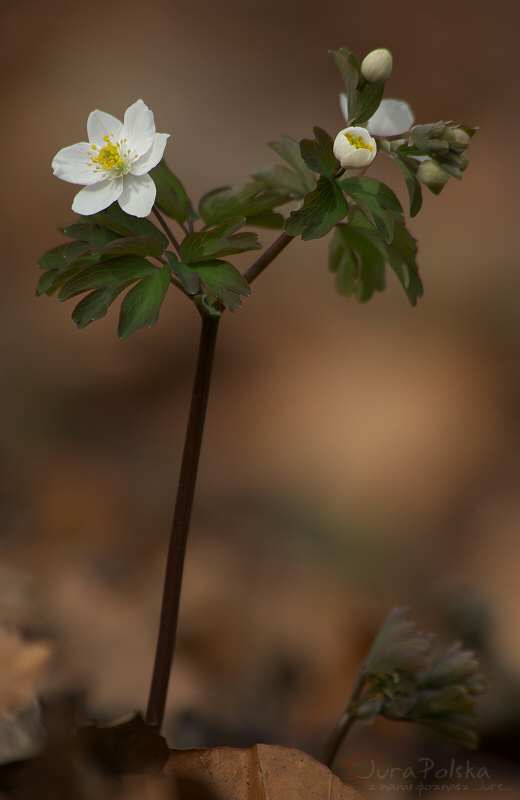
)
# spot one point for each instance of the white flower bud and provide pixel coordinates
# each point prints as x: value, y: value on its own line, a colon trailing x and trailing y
x: 377, y: 66
x: 432, y: 175
x: 354, y: 148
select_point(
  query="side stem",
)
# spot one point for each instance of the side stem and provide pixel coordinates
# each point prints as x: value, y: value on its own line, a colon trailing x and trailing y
x: 269, y: 255
x: 180, y: 525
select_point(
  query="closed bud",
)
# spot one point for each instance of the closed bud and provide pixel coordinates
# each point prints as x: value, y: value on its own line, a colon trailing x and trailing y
x: 432, y: 175
x: 461, y: 139
x: 377, y: 66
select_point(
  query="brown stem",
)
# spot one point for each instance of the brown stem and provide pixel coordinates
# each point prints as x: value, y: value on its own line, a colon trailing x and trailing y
x: 166, y: 228
x: 269, y: 255
x: 180, y: 525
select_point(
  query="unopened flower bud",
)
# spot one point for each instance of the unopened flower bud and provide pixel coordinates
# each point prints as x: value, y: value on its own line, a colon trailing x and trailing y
x: 377, y: 66
x: 461, y: 139
x: 354, y: 148
x: 432, y: 175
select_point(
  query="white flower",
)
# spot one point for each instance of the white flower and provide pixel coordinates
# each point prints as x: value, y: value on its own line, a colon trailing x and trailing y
x: 377, y: 66
x: 113, y: 165
x: 392, y: 118
x: 354, y: 148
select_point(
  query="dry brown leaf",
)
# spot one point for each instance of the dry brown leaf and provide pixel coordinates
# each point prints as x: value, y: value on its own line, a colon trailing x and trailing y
x: 262, y: 772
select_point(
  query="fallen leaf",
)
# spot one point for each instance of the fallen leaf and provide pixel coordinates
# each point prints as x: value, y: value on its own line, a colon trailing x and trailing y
x: 261, y: 772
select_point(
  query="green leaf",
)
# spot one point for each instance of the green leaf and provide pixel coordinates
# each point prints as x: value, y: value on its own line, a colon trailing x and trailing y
x: 269, y: 219
x: 276, y: 176
x: 412, y: 185
x: 141, y: 305
x: 318, y: 153
x: 348, y: 65
x: 359, y: 265
x: 132, y: 245
x: 244, y: 201
x: 112, y: 273
x: 289, y: 150
x: 171, y: 196
x: 94, y: 306
x: 377, y: 201
x: 96, y: 235
x: 370, y: 101
x: 218, y: 242
x: 51, y: 280
x: 357, y: 256
x: 217, y: 277
x: 52, y: 258
x: 322, y: 208
x: 117, y: 220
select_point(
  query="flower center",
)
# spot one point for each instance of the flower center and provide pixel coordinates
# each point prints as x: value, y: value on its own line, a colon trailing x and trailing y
x: 357, y: 142
x: 114, y: 157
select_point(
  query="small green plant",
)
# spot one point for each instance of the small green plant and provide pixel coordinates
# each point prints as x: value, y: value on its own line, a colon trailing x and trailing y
x: 318, y: 187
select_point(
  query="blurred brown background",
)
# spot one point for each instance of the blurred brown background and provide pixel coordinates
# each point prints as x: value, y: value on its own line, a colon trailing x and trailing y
x: 355, y: 457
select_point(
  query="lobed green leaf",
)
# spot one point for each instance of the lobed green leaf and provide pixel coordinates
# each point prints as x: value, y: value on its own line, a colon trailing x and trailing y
x: 318, y: 153
x: 218, y: 242
x: 171, y: 197
x: 117, y: 220
x: 289, y: 150
x: 246, y: 200
x: 412, y: 185
x: 322, y: 209
x: 141, y: 305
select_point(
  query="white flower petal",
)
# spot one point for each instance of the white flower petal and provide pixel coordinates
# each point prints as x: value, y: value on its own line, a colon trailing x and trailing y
x: 392, y: 118
x: 138, y: 195
x: 343, y: 101
x: 95, y: 198
x: 99, y: 124
x: 152, y: 157
x: 350, y: 156
x: 139, y: 128
x: 73, y: 164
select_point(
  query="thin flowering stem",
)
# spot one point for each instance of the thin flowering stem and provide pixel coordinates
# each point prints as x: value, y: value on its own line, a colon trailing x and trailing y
x: 166, y: 228
x: 269, y: 255
x: 344, y: 724
x: 181, y: 522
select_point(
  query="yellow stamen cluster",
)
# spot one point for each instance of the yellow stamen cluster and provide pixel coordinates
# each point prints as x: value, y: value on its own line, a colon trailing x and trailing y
x: 111, y: 157
x: 357, y: 142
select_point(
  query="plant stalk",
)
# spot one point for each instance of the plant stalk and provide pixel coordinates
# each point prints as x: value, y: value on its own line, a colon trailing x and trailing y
x: 181, y: 523
x: 269, y: 255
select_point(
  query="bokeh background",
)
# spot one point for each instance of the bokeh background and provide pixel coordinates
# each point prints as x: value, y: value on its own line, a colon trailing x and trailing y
x: 355, y: 456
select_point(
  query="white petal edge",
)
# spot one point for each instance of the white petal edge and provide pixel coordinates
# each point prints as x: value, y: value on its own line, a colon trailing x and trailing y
x: 139, y: 128
x: 392, y: 118
x: 343, y: 101
x: 71, y: 164
x: 99, y: 124
x: 152, y: 157
x: 93, y: 199
x: 138, y: 195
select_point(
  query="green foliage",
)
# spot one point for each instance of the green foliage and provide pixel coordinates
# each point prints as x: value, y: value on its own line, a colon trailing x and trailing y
x: 248, y: 200
x: 363, y: 98
x: 141, y: 305
x: 218, y: 242
x: 377, y: 201
x: 318, y: 154
x: 413, y: 187
x: 289, y: 150
x: 322, y: 208
x: 358, y: 254
x: 171, y: 197
x: 399, y: 681
x: 211, y: 280
x: 108, y: 253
